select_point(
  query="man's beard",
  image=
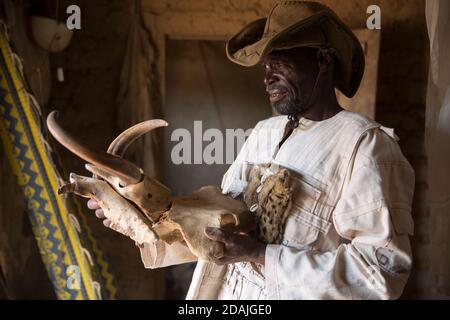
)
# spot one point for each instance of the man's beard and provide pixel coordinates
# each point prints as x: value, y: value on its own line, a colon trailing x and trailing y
x: 289, y: 106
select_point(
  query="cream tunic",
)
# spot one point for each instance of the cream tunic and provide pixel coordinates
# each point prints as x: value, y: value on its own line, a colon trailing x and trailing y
x: 347, y: 235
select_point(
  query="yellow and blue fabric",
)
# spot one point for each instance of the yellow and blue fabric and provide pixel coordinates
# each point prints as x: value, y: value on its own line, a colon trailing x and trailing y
x: 75, y: 264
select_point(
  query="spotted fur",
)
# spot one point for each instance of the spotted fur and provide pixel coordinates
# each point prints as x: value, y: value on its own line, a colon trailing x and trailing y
x: 273, y: 199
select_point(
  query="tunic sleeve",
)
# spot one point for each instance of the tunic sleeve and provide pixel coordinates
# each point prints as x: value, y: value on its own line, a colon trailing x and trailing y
x: 373, y: 215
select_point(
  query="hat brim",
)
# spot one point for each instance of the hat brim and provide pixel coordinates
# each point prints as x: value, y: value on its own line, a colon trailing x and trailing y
x: 249, y: 46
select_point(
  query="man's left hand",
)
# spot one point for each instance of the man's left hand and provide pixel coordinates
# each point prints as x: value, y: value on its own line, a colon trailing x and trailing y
x: 238, y: 247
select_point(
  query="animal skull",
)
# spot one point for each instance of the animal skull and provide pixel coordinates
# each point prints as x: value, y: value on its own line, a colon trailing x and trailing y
x: 171, y: 218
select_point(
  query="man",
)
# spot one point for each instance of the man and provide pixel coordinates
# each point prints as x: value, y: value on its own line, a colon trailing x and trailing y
x: 345, y: 233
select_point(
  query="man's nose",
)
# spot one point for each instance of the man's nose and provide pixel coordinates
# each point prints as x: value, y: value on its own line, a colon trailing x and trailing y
x: 270, y: 78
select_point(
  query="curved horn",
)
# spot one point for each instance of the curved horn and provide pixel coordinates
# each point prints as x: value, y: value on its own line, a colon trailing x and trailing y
x: 120, y: 145
x: 127, y: 172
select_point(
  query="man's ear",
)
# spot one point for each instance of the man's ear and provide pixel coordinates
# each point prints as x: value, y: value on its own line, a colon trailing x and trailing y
x: 325, y: 57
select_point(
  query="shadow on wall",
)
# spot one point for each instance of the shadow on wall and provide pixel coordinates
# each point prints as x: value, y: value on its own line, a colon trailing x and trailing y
x: 402, y: 88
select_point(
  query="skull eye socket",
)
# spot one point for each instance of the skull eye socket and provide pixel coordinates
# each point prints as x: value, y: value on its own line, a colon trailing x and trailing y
x: 228, y: 219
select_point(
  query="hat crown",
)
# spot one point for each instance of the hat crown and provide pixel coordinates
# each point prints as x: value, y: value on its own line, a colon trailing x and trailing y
x: 287, y: 13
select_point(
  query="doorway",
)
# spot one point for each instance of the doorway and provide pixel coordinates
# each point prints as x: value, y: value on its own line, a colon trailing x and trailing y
x: 204, y: 90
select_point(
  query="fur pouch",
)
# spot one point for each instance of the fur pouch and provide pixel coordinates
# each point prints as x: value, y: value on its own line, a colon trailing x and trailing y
x: 268, y: 195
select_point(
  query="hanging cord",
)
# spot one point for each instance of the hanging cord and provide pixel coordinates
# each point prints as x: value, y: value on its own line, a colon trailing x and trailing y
x: 293, y: 119
x: 325, y: 57
x: 290, y: 127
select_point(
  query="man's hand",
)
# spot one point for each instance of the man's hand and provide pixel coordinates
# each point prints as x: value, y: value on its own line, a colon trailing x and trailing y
x: 238, y: 247
x: 93, y: 205
x: 119, y: 214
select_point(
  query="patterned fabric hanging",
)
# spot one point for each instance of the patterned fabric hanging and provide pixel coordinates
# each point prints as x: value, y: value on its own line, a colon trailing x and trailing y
x: 75, y: 264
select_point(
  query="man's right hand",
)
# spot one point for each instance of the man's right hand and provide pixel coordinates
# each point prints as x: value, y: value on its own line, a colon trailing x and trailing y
x: 117, y: 212
x: 93, y: 205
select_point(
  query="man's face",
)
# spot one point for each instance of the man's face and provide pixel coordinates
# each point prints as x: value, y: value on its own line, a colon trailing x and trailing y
x: 289, y: 79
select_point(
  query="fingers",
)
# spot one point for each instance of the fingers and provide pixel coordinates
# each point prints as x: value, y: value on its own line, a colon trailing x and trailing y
x: 92, y: 204
x: 100, y: 214
x: 107, y: 223
x: 216, y: 234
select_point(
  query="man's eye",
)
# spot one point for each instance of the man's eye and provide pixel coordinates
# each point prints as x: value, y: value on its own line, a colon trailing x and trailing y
x: 274, y: 65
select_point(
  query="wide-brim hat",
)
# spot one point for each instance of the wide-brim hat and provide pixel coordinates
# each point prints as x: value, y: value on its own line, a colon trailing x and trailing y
x: 292, y: 24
